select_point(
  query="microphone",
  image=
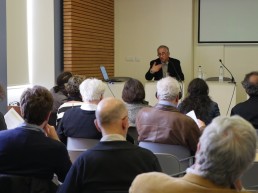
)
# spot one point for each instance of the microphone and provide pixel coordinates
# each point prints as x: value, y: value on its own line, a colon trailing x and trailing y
x: 180, y: 95
x: 232, y: 77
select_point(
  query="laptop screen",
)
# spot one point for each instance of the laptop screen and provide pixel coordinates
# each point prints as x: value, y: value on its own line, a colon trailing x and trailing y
x: 104, y: 72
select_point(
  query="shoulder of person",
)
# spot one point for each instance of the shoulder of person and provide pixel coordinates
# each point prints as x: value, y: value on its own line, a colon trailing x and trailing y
x: 174, y: 60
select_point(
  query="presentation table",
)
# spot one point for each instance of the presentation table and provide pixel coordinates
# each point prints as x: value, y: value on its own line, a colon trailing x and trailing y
x: 223, y: 93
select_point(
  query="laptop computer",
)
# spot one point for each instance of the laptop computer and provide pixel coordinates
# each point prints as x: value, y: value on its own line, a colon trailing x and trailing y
x: 113, y: 79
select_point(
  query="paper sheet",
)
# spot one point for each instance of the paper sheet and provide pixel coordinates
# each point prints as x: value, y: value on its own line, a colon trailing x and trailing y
x: 193, y: 116
x: 12, y: 119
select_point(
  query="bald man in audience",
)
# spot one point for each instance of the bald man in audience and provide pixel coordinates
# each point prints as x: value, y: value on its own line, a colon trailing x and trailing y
x: 249, y: 108
x: 113, y: 163
x: 226, y: 150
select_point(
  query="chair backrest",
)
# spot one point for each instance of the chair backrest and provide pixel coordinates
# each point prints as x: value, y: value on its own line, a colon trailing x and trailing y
x: 169, y: 163
x: 182, y: 153
x: 76, y: 146
x: 132, y: 131
x: 250, y: 177
x: 24, y: 184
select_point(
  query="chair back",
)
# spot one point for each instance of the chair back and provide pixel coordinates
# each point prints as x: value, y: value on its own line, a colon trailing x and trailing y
x: 250, y: 177
x: 76, y: 146
x: 23, y: 184
x: 182, y: 153
x: 169, y: 163
x: 132, y: 131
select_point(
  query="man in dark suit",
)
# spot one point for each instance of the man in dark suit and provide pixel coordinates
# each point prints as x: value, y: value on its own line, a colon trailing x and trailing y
x: 249, y: 108
x: 164, y: 66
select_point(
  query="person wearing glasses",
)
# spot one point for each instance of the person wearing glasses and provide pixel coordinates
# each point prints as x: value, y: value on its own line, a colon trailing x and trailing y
x: 113, y: 163
x: 164, y: 66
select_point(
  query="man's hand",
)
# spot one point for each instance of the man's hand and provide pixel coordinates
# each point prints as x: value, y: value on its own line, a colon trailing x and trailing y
x: 51, y: 132
x: 155, y: 68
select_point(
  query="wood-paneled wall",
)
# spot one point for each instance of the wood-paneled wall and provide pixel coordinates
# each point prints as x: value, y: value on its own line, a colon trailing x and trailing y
x: 88, y: 36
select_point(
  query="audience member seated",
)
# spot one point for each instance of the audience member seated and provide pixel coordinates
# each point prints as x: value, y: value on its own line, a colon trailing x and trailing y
x: 74, y: 96
x: 33, y: 148
x: 2, y: 121
x: 79, y: 121
x: 133, y: 95
x: 163, y: 123
x: 248, y: 109
x: 198, y: 100
x: 113, y: 163
x: 226, y: 150
x: 59, y: 94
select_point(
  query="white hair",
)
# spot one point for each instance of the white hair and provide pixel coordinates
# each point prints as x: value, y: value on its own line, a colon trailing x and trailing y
x: 167, y: 88
x: 227, y: 149
x: 92, y: 89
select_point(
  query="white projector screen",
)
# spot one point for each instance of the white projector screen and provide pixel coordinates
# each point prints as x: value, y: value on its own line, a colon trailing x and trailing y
x: 228, y: 21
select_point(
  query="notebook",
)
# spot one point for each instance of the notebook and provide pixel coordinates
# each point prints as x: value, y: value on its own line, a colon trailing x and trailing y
x: 106, y: 77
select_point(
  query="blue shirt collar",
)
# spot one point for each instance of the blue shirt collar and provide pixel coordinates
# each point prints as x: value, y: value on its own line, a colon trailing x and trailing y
x: 31, y: 127
x: 167, y: 103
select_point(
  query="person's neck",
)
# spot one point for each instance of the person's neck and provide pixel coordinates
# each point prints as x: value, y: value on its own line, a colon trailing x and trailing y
x: 95, y: 102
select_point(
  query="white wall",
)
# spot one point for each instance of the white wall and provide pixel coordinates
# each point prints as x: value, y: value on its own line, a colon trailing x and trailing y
x: 17, y: 52
x: 142, y: 25
x: 42, y: 38
x: 240, y: 59
x: 43, y: 63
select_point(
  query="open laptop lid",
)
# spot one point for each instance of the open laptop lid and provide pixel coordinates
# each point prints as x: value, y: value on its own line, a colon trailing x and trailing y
x: 113, y: 79
x: 106, y: 77
x: 104, y: 73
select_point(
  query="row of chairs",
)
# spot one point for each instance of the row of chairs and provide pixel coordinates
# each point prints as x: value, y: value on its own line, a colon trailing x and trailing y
x: 174, y: 159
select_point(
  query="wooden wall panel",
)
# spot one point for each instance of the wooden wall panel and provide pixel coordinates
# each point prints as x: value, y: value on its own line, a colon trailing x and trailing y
x: 88, y: 36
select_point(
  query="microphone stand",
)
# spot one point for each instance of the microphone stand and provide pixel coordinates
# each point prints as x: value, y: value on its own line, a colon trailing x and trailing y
x: 232, y: 77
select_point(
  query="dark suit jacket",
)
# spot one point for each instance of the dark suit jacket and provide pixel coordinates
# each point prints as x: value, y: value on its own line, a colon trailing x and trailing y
x: 248, y: 110
x: 174, y: 70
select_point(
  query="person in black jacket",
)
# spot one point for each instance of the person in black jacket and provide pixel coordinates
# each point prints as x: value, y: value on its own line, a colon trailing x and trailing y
x: 164, y: 66
x: 248, y: 109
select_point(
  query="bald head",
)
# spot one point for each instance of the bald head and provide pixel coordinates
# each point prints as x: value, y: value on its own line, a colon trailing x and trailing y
x: 110, y: 113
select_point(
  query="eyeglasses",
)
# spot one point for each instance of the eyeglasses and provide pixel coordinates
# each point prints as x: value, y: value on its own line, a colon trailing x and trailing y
x: 162, y: 53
